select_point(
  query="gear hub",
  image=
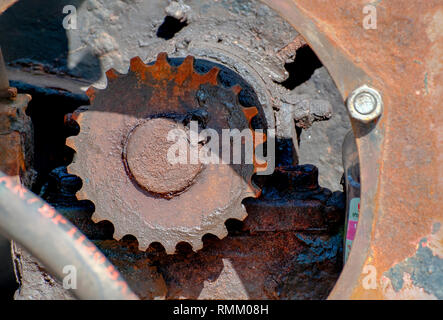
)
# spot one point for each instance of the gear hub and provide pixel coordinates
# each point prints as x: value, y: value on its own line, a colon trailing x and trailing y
x: 147, y: 158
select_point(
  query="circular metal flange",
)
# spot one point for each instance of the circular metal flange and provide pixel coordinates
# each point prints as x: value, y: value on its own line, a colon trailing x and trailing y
x: 146, y: 152
x: 365, y: 104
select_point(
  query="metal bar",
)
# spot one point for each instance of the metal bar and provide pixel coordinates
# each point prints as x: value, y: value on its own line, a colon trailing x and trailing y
x: 54, y: 241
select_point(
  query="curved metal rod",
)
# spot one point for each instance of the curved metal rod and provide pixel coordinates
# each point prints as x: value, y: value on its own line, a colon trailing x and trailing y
x: 58, y: 244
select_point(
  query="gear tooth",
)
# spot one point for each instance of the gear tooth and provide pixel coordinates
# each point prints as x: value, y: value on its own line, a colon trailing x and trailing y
x: 138, y: 67
x: 212, y: 76
x: 250, y: 113
x: 91, y: 92
x: 81, y: 195
x: 252, y: 190
x: 162, y: 58
x: 259, y: 138
x: 223, y: 232
x: 77, y: 115
x: 71, y: 170
x: 185, y: 70
x: 68, y: 118
x: 236, y: 89
x: 136, y: 63
x: 70, y: 142
x: 161, y: 69
x: 244, y: 212
x: 187, y: 65
x: 112, y: 74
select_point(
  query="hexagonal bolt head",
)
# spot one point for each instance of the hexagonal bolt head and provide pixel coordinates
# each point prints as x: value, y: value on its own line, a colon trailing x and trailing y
x: 365, y: 104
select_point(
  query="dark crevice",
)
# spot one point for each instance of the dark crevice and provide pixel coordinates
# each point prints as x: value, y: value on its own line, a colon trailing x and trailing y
x: 170, y: 27
x: 235, y: 227
x: 47, y: 110
x: 301, y: 70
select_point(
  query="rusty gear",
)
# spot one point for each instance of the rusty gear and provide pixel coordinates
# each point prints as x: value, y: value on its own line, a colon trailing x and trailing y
x: 122, y: 146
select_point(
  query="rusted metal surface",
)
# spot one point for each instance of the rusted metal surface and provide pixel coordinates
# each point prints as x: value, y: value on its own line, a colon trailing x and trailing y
x: 292, y: 200
x: 268, y: 265
x: 145, y: 195
x: 288, y: 247
x: 399, y: 231
x: 15, y: 136
x: 278, y: 252
x: 400, y: 155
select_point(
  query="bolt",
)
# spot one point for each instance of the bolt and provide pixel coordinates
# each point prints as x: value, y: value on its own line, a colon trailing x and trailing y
x: 365, y: 104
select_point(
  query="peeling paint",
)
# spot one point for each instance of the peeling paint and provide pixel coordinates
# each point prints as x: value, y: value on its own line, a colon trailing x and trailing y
x: 424, y: 270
